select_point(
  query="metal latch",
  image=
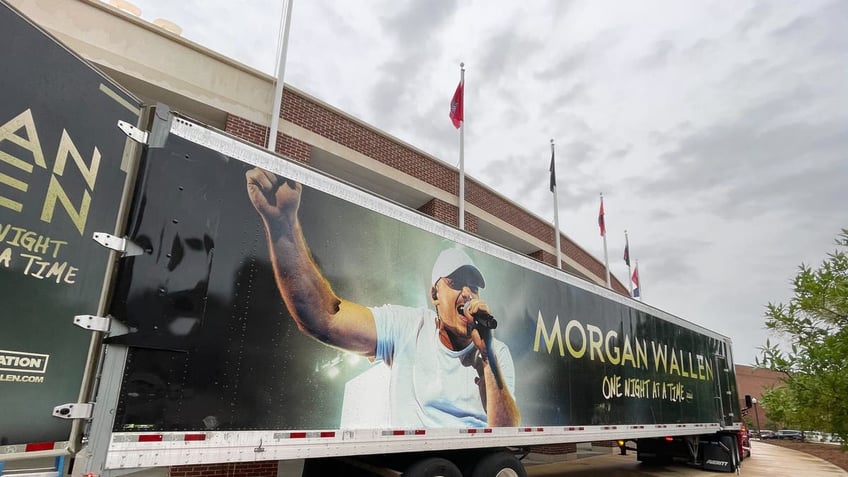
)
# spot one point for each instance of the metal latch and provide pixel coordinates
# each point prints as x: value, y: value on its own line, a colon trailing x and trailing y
x: 74, y: 410
x: 120, y: 244
x: 133, y: 132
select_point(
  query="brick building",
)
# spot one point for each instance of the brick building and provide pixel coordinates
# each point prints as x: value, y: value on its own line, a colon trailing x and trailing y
x: 753, y: 381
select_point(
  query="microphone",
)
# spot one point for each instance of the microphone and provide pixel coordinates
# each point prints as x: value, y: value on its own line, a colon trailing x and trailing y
x: 485, y: 323
x: 482, y: 319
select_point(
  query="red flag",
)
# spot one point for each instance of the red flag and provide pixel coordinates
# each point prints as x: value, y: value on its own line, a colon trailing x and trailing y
x: 635, y: 279
x: 601, y: 219
x: 456, y: 109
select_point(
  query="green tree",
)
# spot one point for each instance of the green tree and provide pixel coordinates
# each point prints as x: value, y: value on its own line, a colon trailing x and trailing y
x: 814, y: 355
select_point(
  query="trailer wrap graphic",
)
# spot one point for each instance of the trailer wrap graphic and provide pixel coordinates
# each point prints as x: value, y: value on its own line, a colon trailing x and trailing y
x: 217, y: 349
x: 61, y: 179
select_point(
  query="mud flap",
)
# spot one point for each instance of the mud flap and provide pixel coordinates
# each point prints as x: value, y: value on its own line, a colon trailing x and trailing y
x: 719, y: 454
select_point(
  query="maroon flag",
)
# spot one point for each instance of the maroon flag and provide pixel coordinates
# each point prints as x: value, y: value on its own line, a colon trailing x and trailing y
x: 601, y: 219
x: 456, y: 107
x: 635, y: 279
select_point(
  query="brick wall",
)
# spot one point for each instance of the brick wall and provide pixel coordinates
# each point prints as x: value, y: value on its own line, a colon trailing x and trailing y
x: 247, y: 130
x: 331, y: 125
x: 544, y: 256
x: 240, y: 469
x: 753, y: 381
x: 604, y: 444
x: 554, y: 449
x: 257, y: 134
x: 448, y: 213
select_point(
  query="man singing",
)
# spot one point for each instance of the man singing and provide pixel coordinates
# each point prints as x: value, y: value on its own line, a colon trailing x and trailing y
x: 442, y: 373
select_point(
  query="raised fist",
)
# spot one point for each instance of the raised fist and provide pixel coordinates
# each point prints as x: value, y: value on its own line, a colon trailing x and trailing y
x: 275, y: 198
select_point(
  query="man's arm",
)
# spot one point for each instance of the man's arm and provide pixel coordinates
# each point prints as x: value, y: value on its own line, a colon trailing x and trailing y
x: 501, y: 409
x: 308, y: 296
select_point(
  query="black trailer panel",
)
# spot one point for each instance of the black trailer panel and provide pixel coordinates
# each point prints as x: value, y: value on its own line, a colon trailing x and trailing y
x: 216, y: 349
x: 62, y: 173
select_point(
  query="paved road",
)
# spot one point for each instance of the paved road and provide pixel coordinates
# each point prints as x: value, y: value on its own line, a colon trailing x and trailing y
x: 767, y: 461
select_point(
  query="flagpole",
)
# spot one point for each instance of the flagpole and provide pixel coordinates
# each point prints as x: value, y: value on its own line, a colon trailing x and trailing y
x: 606, y: 255
x: 282, y: 49
x: 629, y: 271
x: 462, y: 152
x: 556, y: 207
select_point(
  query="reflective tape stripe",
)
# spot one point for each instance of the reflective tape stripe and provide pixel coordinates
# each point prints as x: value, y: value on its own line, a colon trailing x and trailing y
x: 304, y: 435
x: 476, y: 431
x: 405, y: 432
x: 163, y: 438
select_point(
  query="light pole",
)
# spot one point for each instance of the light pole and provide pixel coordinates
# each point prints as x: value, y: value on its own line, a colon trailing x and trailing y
x: 757, y: 415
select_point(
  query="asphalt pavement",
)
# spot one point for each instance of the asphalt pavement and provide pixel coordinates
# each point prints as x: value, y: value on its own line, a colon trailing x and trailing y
x: 766, y: 461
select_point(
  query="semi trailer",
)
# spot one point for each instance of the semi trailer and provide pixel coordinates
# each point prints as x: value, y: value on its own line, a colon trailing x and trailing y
x: 175, y: 296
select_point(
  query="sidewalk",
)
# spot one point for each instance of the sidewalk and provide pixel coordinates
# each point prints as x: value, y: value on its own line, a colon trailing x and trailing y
x: 766, y: 461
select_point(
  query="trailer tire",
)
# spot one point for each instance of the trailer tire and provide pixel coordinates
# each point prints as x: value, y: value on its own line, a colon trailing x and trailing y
x: 499, y: 464
x: 432, y: 467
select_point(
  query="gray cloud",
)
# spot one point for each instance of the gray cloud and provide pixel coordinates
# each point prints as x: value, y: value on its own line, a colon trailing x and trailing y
x: 506, y: 50
x: 534, y: 175
x: 415, y: 24
x: 621, y: 153
x: 671, y: 261
x: 659, y: 56
x: 576, y: 94
x: 568, y: 66
x: 754, y: 18
x: 795, y: 27
x: 574, y: 58
x: 412, y: 26
x: 754, y: 160
x: 823, y: 29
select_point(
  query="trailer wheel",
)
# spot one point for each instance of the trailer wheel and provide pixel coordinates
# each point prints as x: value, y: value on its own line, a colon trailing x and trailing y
x: 432, y: 467
x: 499, y: 464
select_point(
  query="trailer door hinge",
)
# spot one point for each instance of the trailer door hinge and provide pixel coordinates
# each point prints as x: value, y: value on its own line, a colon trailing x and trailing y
x: 133, y: 132
x: 106, y: 324
x: 120, y: 244
x: 92, y: 322
x: 74, y: 410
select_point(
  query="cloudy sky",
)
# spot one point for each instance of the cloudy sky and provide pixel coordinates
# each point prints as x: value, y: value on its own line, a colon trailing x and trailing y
x: 716, y: 130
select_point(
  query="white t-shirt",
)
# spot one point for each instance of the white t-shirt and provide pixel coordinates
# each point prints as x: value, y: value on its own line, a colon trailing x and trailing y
x: 430, y: 385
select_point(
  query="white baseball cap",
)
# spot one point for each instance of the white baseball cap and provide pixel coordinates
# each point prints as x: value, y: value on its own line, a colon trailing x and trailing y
x: 455, y: 263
